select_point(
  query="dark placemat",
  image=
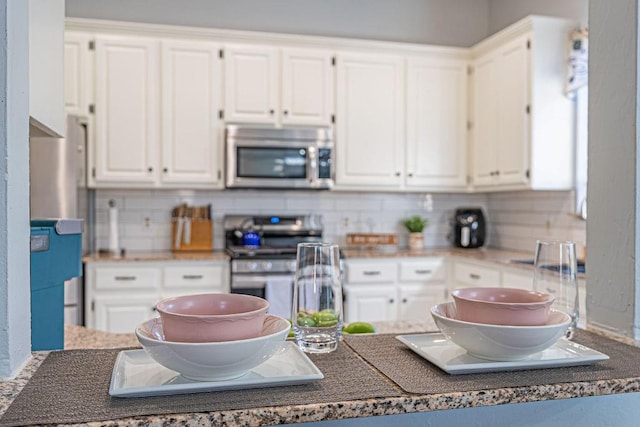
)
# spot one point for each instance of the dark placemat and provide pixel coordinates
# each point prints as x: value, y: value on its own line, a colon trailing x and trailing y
x: 415, y: 374
x: 73, y: 387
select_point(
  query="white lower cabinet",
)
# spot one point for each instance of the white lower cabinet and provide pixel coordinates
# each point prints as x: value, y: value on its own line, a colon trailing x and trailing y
x: 119, y: 296
x: 116, y: 314
x: 467, y: 274
x: 477, y: 273
x: 391, y: 289
x: 517, y: 279
x: 371, y: 303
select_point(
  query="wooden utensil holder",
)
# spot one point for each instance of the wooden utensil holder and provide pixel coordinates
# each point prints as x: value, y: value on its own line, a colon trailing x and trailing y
x: 201, y: 236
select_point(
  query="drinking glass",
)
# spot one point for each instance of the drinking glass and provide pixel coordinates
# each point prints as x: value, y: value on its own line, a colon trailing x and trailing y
x: 556, y: 273
x: 317, y: 298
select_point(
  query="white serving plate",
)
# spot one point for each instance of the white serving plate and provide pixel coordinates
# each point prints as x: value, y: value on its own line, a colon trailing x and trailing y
x: 454, y: 359
x: 135, y: 374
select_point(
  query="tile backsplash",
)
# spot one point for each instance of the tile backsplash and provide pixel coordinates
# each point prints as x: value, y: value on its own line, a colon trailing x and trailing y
x: 515, y: 219
x: 519, y: 218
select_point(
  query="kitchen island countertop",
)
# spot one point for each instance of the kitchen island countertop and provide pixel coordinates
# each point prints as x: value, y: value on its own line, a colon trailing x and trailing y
x: 77, y: 337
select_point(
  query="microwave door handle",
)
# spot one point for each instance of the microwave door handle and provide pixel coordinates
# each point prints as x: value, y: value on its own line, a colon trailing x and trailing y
x: 312, y: 164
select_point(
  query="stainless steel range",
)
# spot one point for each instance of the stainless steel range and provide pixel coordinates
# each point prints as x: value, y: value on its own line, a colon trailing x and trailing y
x: 263, y: 254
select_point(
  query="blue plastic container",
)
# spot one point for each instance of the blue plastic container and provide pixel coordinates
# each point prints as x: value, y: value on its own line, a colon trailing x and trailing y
x: 56, y: 256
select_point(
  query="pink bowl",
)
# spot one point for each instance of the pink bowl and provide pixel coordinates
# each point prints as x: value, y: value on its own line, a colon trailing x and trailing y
x: 212, y: 317
x: 502, y: 306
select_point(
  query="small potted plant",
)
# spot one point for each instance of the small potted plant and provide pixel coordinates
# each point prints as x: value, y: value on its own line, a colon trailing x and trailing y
x: 415, y: 225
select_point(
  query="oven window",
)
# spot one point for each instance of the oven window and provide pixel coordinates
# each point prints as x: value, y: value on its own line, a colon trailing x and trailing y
x: 271, y: 162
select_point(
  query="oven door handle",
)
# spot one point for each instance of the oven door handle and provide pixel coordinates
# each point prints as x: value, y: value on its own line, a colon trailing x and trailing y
x: 256, y: 281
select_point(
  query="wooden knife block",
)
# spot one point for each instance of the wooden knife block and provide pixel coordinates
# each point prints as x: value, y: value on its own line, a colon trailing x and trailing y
x: 201, y: 236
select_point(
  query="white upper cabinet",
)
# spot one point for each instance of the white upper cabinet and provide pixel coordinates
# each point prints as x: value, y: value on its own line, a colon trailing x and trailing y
x: 251, y: 83
x: 46, y: 67
x: 307, y: 87
x: 77, y: 73
x: 493, y: 117
x: 157, y: 103
x: 278, y: 86
x: 191, y: 99
x: 369, y: 120
x: 522, y: 134
x: 436, y: 153
x: 126, y: 112
x: 502, y: 115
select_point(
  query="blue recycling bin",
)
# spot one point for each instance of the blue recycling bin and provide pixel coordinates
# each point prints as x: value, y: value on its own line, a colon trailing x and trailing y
x: 56, y: 256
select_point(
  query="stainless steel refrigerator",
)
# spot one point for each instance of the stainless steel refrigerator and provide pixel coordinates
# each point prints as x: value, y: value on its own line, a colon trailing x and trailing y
x: 57, y: 172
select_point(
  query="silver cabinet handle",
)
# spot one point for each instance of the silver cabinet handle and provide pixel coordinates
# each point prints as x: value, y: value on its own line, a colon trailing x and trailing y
x: 192, y: 276
x: 474, y: 276
x: 125, y: 278
x: 371, y: 273
x: 422, y: 271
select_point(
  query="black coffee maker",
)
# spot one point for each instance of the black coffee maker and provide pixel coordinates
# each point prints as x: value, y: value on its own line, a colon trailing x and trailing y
x: 469, y: 230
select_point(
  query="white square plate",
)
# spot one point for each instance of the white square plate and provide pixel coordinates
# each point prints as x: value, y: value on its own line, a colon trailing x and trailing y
x: 135, y: 374
x: 454, y: 359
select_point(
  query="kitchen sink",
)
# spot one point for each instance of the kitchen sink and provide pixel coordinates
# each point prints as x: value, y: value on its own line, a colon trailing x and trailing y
x: 581, y: 264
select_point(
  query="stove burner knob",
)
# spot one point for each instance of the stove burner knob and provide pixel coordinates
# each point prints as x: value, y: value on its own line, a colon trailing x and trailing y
x: 253, y: 266
x: 292, y: 266
x: 267, y: 265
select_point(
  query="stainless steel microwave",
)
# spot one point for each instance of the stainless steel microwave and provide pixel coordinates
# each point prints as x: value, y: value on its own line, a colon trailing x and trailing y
x: 296, y: 158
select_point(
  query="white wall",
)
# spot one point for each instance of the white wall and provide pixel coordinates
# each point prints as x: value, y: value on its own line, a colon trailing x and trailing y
x: 505, y: 12
x: 613, y: 300
x: 15, y: 343
x: 451, y: 22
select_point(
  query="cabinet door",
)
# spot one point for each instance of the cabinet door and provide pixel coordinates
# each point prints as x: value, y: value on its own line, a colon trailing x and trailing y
x: 501, y: 115
x: 436, y: 123
x: 485, y: 121
x: 512, y: 76
x: 77, y: 69
x: 251, y: 84
x: 369, y: 120
x: 307, y: 87
x: 371, y: 303
x: 416, y: 300
x: 122, y: 313
x: 126, y: 110
x: 191, y: 100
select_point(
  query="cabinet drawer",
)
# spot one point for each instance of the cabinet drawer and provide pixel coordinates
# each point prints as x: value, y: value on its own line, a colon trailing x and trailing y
x: 517, y: 280
x: 422, y: 271
x: 206, y: 277
x: 126, y: 278
x: 371, y: 273
x: 474, y: 275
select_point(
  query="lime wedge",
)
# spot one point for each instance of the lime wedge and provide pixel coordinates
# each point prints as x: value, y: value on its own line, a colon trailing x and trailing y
x: 359, y: 328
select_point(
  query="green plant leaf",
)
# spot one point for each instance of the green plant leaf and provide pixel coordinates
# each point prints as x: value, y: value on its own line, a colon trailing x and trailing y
x: 415, y: 224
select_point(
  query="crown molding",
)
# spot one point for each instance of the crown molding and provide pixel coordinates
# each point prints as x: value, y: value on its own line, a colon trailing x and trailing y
x: 262, y: 38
